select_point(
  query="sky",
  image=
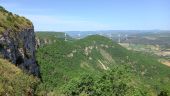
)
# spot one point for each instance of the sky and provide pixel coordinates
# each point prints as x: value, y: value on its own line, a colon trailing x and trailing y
x: 92, y: 15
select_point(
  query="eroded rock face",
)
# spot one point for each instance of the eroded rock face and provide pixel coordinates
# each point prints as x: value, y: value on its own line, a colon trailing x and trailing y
x: 42, y: 42
x: 19, y: 48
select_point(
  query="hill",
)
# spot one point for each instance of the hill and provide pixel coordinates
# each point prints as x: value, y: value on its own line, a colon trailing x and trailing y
x: 48, y: 37
x: 63, y: 62
x: 15, y: 82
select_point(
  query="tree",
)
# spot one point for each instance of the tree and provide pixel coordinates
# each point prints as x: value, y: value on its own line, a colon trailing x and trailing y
x: 112, y: 83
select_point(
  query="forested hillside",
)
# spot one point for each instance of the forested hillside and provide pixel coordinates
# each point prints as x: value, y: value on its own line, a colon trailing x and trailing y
x: 66, y: 64
x: 48, y: 37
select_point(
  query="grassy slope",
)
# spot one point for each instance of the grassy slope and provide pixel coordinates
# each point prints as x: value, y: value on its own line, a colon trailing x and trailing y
x: 14, y: 81
x: 13, y: 22
x: 59, y: 65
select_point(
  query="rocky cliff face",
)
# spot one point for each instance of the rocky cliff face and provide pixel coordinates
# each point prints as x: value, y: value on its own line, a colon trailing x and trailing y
x: 19, y: 48
x: 17, y: 41
x: 42, y: 42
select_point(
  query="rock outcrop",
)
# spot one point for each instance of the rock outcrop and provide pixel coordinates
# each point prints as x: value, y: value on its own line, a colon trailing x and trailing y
x: 17, y: 41
x: 19, y: 48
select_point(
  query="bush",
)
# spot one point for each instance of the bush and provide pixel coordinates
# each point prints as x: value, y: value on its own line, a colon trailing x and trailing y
x: 113, y: 83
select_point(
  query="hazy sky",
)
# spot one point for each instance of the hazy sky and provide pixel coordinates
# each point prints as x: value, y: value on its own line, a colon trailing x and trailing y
x: 67, y: 15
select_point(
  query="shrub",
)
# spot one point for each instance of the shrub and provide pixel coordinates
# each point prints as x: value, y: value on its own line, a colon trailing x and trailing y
x: 113, y: 83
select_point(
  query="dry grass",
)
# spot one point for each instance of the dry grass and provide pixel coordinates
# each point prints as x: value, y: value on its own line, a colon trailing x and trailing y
x: 14, y: 81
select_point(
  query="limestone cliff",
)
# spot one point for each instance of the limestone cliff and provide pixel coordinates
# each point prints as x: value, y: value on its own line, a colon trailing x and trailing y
x: 17, y: 41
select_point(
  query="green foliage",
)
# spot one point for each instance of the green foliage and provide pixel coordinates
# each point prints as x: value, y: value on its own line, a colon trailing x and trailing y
x: 48, y: 37
x: 115, y: 82
x: 2, y: 9
x: 163, y: 93
x: 58, y: 65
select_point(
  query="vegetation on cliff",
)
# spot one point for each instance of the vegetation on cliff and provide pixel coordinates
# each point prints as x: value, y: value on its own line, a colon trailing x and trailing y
x: 12, y: 22
x: 16, y: 47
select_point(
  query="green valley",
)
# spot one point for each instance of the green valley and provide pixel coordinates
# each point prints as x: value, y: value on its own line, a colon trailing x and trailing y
x: 96, y: 55
x: 85, y: 58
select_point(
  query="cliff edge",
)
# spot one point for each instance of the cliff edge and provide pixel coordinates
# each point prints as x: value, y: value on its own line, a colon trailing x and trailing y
x: 17, y: 41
